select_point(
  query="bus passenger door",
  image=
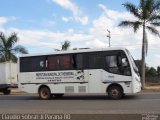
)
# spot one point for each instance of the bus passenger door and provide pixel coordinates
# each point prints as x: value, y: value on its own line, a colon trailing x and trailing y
x: 94, y: 73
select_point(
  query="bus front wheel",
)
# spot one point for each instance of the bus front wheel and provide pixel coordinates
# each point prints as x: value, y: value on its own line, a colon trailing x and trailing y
x: 44, y: 93
x: 115, y: 92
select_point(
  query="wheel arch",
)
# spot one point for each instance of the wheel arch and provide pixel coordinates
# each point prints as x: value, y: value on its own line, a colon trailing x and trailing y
x: 114, y: 84
x: 41, y: 86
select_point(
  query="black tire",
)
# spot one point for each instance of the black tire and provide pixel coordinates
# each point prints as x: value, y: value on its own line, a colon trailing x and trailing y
x: 115, y: 92
x: 6, y: 92
x: 58, y: 95
x: 44, y: 93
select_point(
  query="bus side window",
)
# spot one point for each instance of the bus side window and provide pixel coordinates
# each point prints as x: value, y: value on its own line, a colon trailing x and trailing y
x: 25, y: 64
x: 33, y: 64
x: 95, y: 61
x: 38, y: 63
x: 111, y: 64
x: 65, y: 62
x: 77, y: 61
x: 52, y: 63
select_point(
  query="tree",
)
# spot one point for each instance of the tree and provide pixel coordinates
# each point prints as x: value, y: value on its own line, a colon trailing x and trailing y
x: 152, y: 72
x: 148, y: 18
x: 64, y: 46
x: 147, y: 68
x: 158, y: 70
x: 8, y: 49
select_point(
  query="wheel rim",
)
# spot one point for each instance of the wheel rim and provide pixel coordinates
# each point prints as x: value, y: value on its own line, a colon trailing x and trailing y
x: 44, y: 93
x: 114, y: 93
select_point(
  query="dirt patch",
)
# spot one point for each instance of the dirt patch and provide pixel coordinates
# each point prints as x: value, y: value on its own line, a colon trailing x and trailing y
x: 155, y: 87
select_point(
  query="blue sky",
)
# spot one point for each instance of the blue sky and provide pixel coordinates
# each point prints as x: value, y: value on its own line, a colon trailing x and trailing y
x: 37, y: 14
x: 42, y: 25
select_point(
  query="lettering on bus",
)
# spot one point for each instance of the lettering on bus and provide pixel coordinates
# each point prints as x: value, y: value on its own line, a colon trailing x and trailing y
x: 55, y: 76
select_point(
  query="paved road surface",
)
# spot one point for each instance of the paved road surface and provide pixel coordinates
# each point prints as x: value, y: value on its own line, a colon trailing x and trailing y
x: 145, y: 102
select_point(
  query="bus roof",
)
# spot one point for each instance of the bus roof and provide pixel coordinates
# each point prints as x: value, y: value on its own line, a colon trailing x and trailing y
x: 72, y: 51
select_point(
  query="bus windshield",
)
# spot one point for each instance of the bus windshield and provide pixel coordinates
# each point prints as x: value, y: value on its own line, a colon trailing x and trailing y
x: 133, y: 63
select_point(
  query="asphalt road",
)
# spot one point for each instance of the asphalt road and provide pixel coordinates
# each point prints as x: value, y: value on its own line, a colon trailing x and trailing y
x: 144, y: 102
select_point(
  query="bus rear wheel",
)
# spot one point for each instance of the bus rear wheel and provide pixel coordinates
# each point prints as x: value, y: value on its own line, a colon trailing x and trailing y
x: 115, y: 92
x: 44, y: 93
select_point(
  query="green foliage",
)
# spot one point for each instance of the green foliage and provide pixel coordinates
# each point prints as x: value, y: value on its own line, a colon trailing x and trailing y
x: 64, y: 46
x: 8, y: 47
x: 149, y: 71
x: 158, y: 70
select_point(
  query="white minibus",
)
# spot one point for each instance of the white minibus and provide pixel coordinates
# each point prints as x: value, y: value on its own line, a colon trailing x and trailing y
x: 111, y: 71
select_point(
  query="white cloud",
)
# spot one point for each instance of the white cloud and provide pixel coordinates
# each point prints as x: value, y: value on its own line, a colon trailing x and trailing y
x: 109, y: 19
x: 3, y: 20
x: 67, y: 19
x: 77, y: 13
x: 49, y: 23
x: 115, y: 15
x: 71, y: 31
x: 49, y: 39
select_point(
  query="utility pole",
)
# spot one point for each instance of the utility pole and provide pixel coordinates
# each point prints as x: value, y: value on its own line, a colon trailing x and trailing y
x: 109, y: 36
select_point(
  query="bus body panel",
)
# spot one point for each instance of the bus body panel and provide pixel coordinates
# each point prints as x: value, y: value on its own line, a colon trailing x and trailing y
x: 95, y: 81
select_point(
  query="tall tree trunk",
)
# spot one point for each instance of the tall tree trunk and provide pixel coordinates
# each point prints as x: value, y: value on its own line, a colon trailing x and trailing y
x: 143, y: 57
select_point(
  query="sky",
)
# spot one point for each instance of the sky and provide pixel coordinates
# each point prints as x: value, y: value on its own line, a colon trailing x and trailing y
x: 43, y: 25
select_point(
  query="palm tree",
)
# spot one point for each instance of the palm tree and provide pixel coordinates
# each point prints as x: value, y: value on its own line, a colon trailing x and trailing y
x: 148, y: 17
x: 64, y: 46
x: 8, y: 49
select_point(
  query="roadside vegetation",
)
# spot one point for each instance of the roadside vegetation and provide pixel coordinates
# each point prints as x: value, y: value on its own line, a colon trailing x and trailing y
x: 9, y: 49
x: 149, y: 71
